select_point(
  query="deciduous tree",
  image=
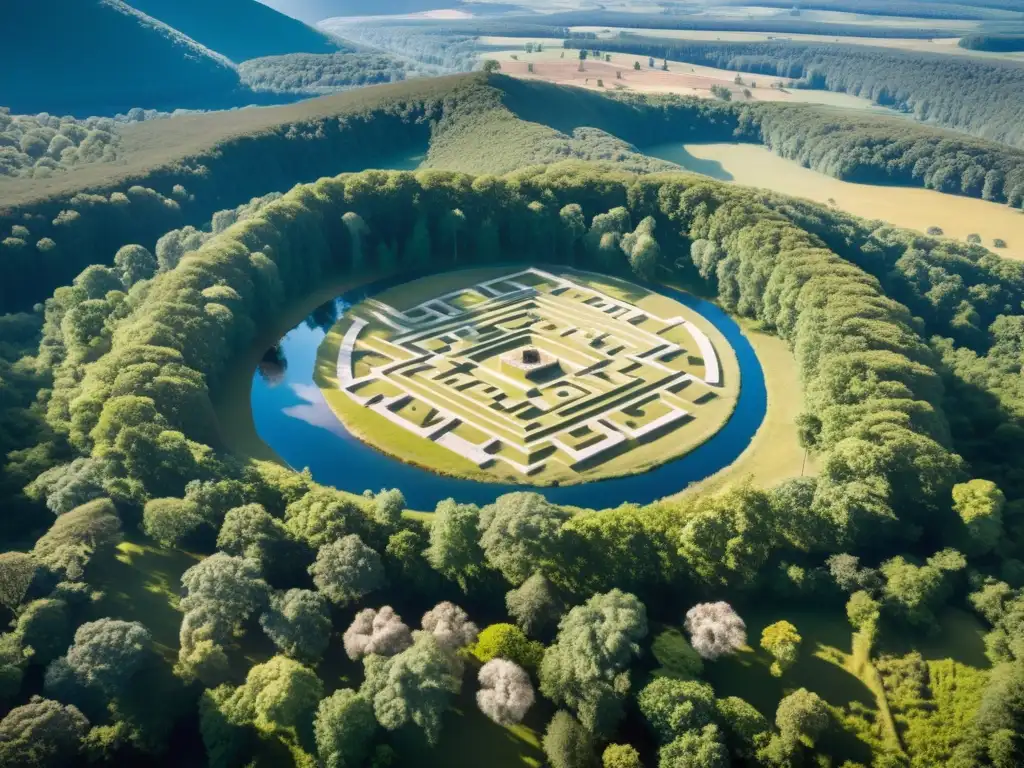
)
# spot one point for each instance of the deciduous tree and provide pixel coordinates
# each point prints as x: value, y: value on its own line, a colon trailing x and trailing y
x: 299, y: 623
x: 344, y: 729
x: 381, y: 632
x: 505, y: 693
x: 415, y: 686
x: 586, y: 669
x: 715, y: 629
x: 347, y: 570
x: 782, y: 641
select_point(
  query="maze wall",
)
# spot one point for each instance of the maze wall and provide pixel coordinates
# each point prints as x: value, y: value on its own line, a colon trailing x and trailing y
x: 528, y: 369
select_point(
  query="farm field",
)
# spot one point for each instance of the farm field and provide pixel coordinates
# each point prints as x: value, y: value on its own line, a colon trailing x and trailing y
x: 682, y: 79
x: 918, y: 209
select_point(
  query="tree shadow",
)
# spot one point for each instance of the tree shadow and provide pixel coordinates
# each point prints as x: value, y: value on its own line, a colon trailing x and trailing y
x: 678, y: 154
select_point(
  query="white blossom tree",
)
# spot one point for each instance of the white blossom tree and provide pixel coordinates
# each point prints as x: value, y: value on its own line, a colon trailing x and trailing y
x: 715, y: 629
x: 505, y: 694
x: 380, y: 632
x: 450, y: 625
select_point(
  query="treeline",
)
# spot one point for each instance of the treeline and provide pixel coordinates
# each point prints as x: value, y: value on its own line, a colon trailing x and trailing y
x: 874, y: 149
x: 870, y: 149
x: 921, y: 9
x: 478, y: 126
x: 756, y: 23
x: 57, y: 237
x: 317, y: 74
x: 975, y: 96
x: 439, y: 48
x: 967, y: 301
x: 996, y: 43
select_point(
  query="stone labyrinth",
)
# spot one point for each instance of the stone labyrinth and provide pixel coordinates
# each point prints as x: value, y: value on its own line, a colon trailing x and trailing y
x: 530, y: 372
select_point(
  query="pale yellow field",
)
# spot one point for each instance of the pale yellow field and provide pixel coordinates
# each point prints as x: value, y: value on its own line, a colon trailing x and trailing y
x: 918, y: 209
x: 681, y: 78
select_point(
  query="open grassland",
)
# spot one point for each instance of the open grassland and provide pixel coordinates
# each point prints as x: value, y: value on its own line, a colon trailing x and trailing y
x: 642, y: 455
x: 824, y: 667
x: 141, y: 581
x: 775, y: 453
x: 682, y: 79
x: 834, y: 664
x: 918, y: 209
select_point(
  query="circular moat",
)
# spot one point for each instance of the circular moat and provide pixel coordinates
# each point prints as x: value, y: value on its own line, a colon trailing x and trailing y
x: 469, y: 384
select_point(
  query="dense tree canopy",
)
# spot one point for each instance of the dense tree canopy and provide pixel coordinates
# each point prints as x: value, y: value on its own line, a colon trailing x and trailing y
x: 586, y: 667
x: 414, y: 686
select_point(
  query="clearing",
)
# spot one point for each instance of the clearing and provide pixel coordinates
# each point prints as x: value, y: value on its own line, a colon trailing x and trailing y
x: 681, y: 78
x: 919, y: 209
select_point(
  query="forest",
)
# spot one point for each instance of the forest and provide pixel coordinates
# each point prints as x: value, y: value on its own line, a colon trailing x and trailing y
x: 775, y: 24
x: 469, y: 127
x: 316, y: 74
x: 896, y: 525
x: 967, y: 94
x: 169, y: 598
x: 997, y: 43
x: 922, y: 9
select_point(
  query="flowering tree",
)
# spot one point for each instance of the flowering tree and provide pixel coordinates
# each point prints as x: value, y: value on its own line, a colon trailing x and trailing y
x: 715, y: 629
x: 505, y: 695
x: 381, y: 632
x: 450, y: 625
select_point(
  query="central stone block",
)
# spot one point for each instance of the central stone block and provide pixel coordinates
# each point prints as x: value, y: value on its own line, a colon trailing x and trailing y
x: 528, y: 362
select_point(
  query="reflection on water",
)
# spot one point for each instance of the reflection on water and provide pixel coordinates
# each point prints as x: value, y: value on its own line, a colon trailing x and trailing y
x: 297, y: 423
x: 273, y: 366
x: 326, y: 315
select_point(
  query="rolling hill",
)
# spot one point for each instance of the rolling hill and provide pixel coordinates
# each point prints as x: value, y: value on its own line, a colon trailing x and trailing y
x: 97, y: 57
x: 312, y: 11
x: 240, y: 29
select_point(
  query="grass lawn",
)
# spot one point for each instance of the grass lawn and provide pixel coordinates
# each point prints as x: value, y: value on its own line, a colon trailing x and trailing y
x: 142, y: 582
x: 837, y: 667
x: 823, y: 667
x: 471, y: 740
x: 775, y: 453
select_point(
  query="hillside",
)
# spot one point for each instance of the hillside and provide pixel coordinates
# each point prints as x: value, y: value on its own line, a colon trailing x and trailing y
x: 96, y: 57
x: 239, y: 29
x: 312, y: 11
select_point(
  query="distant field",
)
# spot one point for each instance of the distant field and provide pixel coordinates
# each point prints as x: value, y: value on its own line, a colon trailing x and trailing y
x: 947, y: 45
x: 917, y: 209
x: 681, y: 78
